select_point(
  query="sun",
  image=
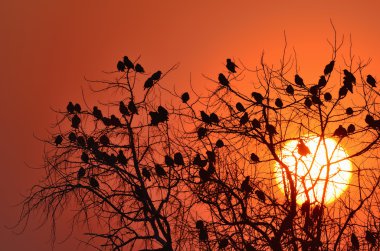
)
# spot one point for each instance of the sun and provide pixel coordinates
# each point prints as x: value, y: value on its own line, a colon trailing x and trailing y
x: 310, y: 171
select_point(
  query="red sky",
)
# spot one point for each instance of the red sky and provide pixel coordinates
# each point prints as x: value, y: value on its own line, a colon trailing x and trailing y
x: 48, y: 47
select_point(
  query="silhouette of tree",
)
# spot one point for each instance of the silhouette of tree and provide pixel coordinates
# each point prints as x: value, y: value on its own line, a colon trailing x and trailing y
x: 210, y: 172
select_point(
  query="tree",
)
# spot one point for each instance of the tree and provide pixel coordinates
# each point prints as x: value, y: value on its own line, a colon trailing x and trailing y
x: 281, y: 164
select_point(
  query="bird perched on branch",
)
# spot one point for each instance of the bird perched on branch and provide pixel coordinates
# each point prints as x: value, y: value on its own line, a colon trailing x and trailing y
x: 299, y: 81
x: 340, y: 132
x: 329, y: 68
x: 371, y: 80
x: 231, y: 66
x: 303, y: 150
x: 223, y: 80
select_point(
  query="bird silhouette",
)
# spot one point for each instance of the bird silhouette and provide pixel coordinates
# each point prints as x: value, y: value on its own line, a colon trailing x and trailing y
x: 106, y: 121
x: 223, y: 243
x: 92, y: 144
x: 75, y: 121
x: 148, y: 83
x: 199, y: 224
x: 314, y: 90
x: 290, y: 90
x: 329, y: 68
x: 223, y: 80
x: 72, y: 137
x: 199, y: 162
x: 322, y: 82
x: 351, y: 129
x: 178, y: 159
x: 256, y: 124
x: 231, y: 66
x: 94, y: 183
x: 244, y: 119
x: 205, y: 118
x: 204, y: 175
x: 370, y: 237
x: 308, y: 103
x: 343, y: 92
x: 201, y: 132
x: 271, y: 129
x: 121, y: 158
x: 115, y: 121
x: 299, y: 81
x: 316, y: 100
x: 169, y: 161
x: 219, y: 143
x: 303, y: 150
x: 97, y: 113
x: 84, y: 157
x: 81, y: 141
x: 369, y: 119
x: 355, y: 242
x: 163, y: 114
x: 160, y: 171
x: 123, y: 109
x: 77, y: 108
x: 156, y: 76
x: 211, y: 156
x: 340, y: 132
x: 305, y: 207
x: 349, y: 111
x: 348, y: 80
x: 104, y: 140
x: 371, y: 80
x: 128, y: 63
x: 214, y: 118
x: 245, y: 186
x: 327, y: 96
x: 120, y: 66
x: 146, y: 173
x: 255, y: 158
x: 258, y: 97
x: 185, y: 97
x: 132, y: 107
x: 70, y: 107
x: 260, y: 195
x: 58, y: 140
x: 81, y: 173
x: 139, y: 68
x: 239, y: 106
x: 278, y: 103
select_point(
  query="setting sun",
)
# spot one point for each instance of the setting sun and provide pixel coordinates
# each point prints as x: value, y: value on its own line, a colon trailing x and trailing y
x: 311, y: 170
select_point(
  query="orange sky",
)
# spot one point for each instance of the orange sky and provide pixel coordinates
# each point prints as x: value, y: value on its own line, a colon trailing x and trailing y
x: 47, y: 47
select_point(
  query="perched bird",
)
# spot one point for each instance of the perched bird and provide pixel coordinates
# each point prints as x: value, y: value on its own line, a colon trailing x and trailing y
x: 348, y: 80
x: 223, y: 80
x: 299, y: 81
x: 115, y: 121
x: 290, y: 90
x: 97, y: 113
x: 322, y: 82
x: 211, y: 156
x: 120, y: 66
x: 72, y: 137
x: 84, y: 157
x: 139, y: 68
x: 349, y: 111
x: 77, y: 108
x: 369, y: 119
x: 145, y: 172
x: 185, y: 97
x: 219, y: 143
x: 343, y: 92
x: 260, y: 195
x: 245, y: 187
x: 316, y: 100
x: 327, y: 96
x: 163, y: 114
x: 214, y: 118
x: 355, y: 242
x: 148, y: 83
x: 254, y: 157
x: 81, y: 173
x: 123, y: 109
x: 305, y: 207
x: 104, y: 140
x: 256, y: 124
x: 204, y: 175
x: 341, y: 132
x: 205, y: 118
x: 314, y: 90
x: 303, y: 150
x: 271, y: 129
x: 231, y: 66
x: 351, y: 128
x: 329, y: 68
x: 240, y: 107
x: 371, y: 80
x: 244, y: 119
x: 258, y: 97
x: 370, y: 237
x: 94, y: 183
x: 156, y: 76
x: 70, y: 107
x: 201, y: 132
x: 81, y: 141
x: 121, y: 158
x: 199, y: 224
x: 58, y: 140
x: 132, y: 107
x: 106, y: 121
x: 92, y: 144
x: 199, y: 162
x: 308, y: 103
x: 223, y: 243
x: 178, y: 159
x: 279, y: 103
x: 169, y: 161
x: 160, y: 171
x: 75, y: 121
x: 154, y: 118
x: 128, y: 63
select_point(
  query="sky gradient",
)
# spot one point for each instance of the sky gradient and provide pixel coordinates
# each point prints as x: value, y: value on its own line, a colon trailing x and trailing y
x: 48, y: 47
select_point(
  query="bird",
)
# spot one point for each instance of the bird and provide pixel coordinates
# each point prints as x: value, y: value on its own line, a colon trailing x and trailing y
x: 369, y: 119
x: 316, y: 100
x: 260, y: 195
x: 160, y: 171
x: 97, y: 113
x: 121, y: 158
x: 201, y: 132
x: 299, y: 81
x: 205, y: 118
x: 271, y: 129
x: 223, y: 80
x: 223, y: 243
x: 256, y: 124
x: 245, y: 187
x: 145, y: 172
x: 343, y: 92
x: 178, y: 159
x: 156, y: 76
x: 371, y: 80
x: 199, y: 224
x: 327, y: 96
x: 254, y: 157
x: 322, y: 82
x: 58, y: 140
x: 290, y: 90
x: 303, y: 150
x: 305, y: 207
x: 329, y: 68
x: 104, y: 140
x: 185, y: 97
x: 231, y: 66
x: 239, y: 106
x: 351, y: 128
x: 81, y: 141
x: 163, y: 114
x: 341, y: 132
x: 214, y: 118
x: 308, y: 103
x: 92, y: 144
x: 370, y: 237
x: 123, y: 109
x: 169, y: 161
x: 219, y: 143
x: 278, y: 103
x: 77, y: 108
x: 120, y: 66
x: 81, y: 173
x: 199, y: 162
x: 84, y: 157
x: 314, y: 89
x: 355, y: 242
x: 70, y: 107
x: 348, y: 80
x: 204, y: 175
x: 139, y: 68
x: 132, y: 107
x: 258, y: 97
x: 93, y: 182
x: 128, y: 63
x: 72, y: 137
x: 211, y: 156
x: 115, y: 121
x: 244, y: 119
x: 106, y: 121
x: 154, y: 118
x: 148, y: 83
x: 349, y: 111
x: 75, y: 121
